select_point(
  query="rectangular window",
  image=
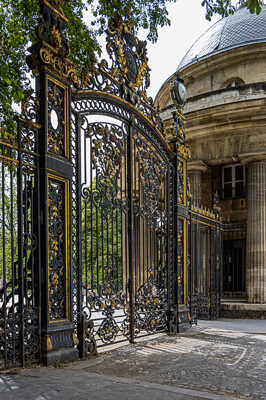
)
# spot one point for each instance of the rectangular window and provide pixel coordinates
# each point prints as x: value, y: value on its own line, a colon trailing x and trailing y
x: 233, y: 180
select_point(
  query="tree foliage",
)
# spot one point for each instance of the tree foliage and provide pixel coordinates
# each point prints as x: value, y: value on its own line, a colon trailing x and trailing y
x: 19, y: 17
x: 228, y: 7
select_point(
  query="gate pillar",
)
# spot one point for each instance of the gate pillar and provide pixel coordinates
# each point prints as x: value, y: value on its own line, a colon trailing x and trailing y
x: 54, y: 74
x: 182, y: 207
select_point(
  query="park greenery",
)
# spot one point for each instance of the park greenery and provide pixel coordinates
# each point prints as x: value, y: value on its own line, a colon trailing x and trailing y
x: 88, y: 19
x: 101, y: 234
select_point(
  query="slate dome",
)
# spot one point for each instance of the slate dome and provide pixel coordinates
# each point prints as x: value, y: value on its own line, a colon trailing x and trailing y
x: 239, y: 29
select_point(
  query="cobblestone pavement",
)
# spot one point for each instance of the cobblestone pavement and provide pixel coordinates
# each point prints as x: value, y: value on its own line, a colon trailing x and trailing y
x: 206, y: 362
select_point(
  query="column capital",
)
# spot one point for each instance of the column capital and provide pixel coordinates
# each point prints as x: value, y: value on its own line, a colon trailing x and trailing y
x: 197, y: 166
x: 252, y: 157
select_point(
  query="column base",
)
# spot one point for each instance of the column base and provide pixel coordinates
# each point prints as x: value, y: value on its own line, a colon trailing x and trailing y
x: 60, y: 356
x: 60, y: 345
x: 184, y: 319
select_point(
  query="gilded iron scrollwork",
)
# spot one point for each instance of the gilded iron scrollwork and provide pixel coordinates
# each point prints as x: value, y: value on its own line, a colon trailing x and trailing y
x: 57, y: 269
x: 179, y: 120
x: 28, y: 143
x: 128, y: 76
x: 152, y: 179
x: 106, y: 303
x: 30, y: 106
x: 151, y: 303
x: 181, y: 181
x: 57, y: 142
x: 108, y: 151
x: 183, y: 151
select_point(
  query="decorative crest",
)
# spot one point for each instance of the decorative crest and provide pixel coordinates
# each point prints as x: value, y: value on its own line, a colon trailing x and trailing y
x: 52, y: 49
x: 129, y: 56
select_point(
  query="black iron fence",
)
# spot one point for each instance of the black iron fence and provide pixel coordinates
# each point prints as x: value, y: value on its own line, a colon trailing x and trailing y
x: 205, y: 249
x: 19, y: 247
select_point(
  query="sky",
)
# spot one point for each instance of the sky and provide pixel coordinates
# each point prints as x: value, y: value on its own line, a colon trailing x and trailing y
x: 188, y: 22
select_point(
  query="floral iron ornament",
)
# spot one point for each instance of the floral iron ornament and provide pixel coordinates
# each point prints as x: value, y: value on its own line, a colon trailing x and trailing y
x: 129, y: 57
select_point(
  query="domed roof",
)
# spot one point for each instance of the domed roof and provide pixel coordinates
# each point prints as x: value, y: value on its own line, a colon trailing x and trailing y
x: 239, y: 29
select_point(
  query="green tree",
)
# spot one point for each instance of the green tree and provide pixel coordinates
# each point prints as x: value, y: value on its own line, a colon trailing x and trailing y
x: 226, y: 7
x: 19, y: 17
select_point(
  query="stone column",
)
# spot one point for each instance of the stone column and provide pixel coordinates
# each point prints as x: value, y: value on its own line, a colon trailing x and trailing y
x: 256, y: 233
x: 195, y: 187
x: 195, y: 170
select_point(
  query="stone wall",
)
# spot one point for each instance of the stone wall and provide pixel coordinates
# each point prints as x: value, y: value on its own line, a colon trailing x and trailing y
x: 227, y: 125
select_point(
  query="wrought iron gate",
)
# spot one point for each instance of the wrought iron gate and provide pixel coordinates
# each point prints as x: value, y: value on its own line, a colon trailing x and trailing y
x: 127, y: 219
x: 94, y: 249
x: 205, y: 233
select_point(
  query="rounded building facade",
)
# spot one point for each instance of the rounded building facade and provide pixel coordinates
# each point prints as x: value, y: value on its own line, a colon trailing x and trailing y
x: 224, y: 73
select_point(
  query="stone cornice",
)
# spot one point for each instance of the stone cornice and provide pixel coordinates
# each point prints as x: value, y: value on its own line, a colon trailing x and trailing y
x: 247, y: 158
x: 197, y: 166
x: 248, y: 92
x: 223, y: 97
x: 226, y: 119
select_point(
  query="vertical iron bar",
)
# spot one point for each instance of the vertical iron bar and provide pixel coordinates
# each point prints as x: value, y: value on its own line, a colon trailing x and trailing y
x: 4, y: 266
x: 79, y: 239
x: 92, y: 226
x: 84, y: 207
x: 173, y: 210
x: 126, y: 279
x: 119, y: 229
x: 36, y: 229
x: 102, y: 233
x: 136, y: 228
x: 107, y: 243
x: 197, y: 240
x: 20, y: 250
x: 31, y: 241
x: 25, y: 247
x: 112, y: 244
x: 140, y: 261
x: 12, y: 253
x: 130, y: 231
x: 191, y: 261
x: 97, y: 241
x: 118, y: 240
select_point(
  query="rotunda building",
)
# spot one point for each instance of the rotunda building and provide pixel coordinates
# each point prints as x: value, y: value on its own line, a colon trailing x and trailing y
x: 225, y: 75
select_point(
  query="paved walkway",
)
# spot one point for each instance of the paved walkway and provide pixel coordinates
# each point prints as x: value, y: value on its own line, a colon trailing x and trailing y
x: 240, y: 325
x: 216, y: 360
